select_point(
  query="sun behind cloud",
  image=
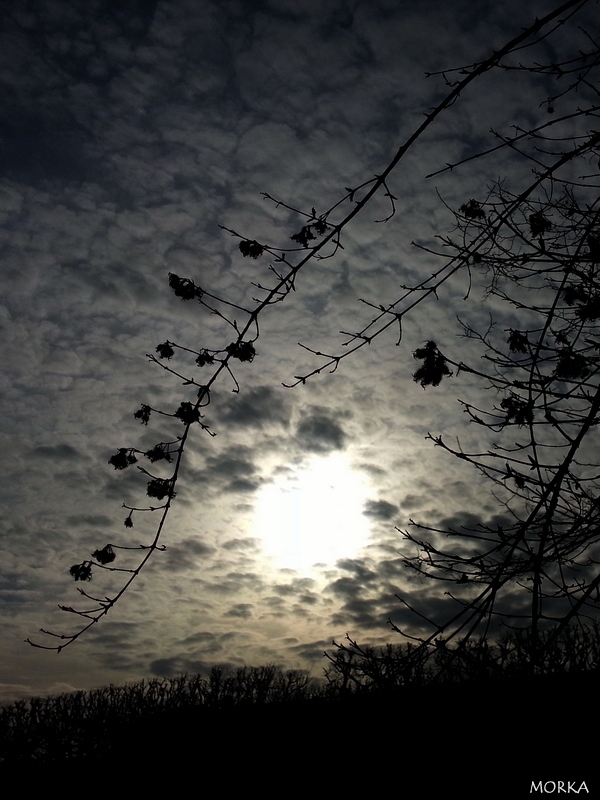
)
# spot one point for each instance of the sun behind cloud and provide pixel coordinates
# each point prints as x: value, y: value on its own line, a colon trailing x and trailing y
x: 313, y: 514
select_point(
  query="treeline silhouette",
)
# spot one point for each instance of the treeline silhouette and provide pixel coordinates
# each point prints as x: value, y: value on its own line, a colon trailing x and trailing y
x: 267, y: 710
x: 87, y: 724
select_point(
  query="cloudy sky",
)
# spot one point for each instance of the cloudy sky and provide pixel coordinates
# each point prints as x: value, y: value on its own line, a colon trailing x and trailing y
x: 130, y: 131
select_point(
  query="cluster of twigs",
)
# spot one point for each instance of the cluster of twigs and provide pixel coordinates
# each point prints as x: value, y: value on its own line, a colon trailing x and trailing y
x: 544, y: 377
x: 358, y: 667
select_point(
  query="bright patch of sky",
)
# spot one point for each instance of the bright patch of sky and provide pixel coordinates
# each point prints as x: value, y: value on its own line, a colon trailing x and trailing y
x: 313, y: 515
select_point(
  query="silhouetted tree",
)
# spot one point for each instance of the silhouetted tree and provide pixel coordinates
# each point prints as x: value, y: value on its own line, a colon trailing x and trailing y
x: 543, y: 382
x: 538, y: 251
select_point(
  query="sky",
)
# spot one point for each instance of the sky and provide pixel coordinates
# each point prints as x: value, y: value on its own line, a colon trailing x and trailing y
x: 130, y: 132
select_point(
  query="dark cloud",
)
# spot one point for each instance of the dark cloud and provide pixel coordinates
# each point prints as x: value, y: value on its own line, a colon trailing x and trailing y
x: 308, y: 599
x: 392, y: 569
x: 182, y: 665
x: 242, y: 485
x: 256, y: 408
x: 414, y: 501
x: 367, y: 593
x: 235, y: 582
x: 193, y: 662
x: 37, y: 149
x: 274, y: 602
x: 46, y: 141
x: 345, y: 587
x: 362, y: 572
x: 241, y: 610
x: 185, y: 555
x: 312, y: 651
x: 371, y: 469
x: 241, y: 544
x: 117, y: 647
x: 201, y: 638
x: 59, y: 452
x: 319, y: 432
x: 232, y: 471
x: 97, y: 520
x: 380, y: 509
x: 365, y: 613
x: 296, y: 586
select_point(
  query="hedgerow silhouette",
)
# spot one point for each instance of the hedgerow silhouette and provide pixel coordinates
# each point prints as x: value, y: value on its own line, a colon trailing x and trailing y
x: 103, y: 723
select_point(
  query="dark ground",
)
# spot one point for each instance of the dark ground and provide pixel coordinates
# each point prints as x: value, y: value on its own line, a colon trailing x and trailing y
x: 480, y: 740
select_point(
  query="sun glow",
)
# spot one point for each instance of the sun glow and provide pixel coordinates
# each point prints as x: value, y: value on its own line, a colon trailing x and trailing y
x: 314, y: 514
